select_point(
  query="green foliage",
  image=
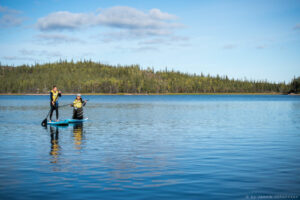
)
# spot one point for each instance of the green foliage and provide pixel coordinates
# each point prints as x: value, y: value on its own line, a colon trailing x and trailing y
x: 91, y: 77
x: 295, y: 85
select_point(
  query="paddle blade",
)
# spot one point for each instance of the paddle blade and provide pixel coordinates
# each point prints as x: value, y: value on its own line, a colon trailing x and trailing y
x: 44, y: 122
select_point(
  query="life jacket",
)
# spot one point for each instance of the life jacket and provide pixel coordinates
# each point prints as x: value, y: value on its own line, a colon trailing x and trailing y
x: 77, y: 103
x: 54, y: 95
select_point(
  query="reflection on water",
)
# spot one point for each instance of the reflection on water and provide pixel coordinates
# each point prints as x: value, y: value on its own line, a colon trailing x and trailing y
x: 55, y: 148
x: 152, y: 147
x: 78, y: 134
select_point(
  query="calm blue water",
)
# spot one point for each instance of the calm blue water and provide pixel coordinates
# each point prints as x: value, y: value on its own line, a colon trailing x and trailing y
x: 152, y: 147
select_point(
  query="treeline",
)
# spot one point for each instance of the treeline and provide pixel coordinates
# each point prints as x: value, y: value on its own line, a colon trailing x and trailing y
x: 295, y: 85
x: 91, y: 77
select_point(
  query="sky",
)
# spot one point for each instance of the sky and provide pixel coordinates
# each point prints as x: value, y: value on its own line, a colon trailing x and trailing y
x: 254, y: 40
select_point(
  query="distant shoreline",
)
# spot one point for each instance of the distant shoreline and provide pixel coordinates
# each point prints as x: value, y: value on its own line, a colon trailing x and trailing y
x: 144, y: 94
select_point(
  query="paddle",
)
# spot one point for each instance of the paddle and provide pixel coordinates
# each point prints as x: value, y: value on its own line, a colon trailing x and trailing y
x: 44, y: 122
x: 64, y: 105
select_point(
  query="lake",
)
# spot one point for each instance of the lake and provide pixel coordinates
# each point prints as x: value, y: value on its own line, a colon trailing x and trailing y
x: 152, y: 147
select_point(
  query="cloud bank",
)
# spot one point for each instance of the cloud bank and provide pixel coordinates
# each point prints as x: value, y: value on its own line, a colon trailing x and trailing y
x: 133, y: 21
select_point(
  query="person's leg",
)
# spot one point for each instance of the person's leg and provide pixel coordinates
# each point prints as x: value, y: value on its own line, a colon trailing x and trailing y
x: 74, y: 114
x: 51, y: 111
x: 80, y: 113
x: 56, y: 110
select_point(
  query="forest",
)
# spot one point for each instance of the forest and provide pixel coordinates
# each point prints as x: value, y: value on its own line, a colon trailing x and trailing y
x: 93, y: 77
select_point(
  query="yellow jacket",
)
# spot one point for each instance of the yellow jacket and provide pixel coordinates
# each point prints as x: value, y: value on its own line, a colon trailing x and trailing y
x: 77, y: 103
x: 54, y: 96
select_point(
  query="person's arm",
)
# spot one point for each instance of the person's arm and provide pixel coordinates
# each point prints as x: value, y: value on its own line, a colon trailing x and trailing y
x: 72, y: 104
x: 51, y: 98
x: 83, y: 102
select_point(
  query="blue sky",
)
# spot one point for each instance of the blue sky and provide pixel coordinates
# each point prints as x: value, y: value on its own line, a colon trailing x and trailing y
x: 257, y: 40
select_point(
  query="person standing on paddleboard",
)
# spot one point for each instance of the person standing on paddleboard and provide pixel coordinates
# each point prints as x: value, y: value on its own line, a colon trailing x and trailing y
x: 78, y: 107
x: 54, y: 94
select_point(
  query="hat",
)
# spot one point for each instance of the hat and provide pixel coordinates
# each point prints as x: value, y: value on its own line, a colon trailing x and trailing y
x: 79, y: 95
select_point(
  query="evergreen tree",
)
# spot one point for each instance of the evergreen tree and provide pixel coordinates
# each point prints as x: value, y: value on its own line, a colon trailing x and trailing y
x: 91, y: 77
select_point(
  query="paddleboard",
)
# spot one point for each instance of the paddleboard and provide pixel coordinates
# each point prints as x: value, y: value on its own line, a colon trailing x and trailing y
x: 59, y: 123
x: 76, y: 120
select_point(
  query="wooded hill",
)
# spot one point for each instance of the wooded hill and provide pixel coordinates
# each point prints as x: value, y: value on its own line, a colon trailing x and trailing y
x: 91, y: 77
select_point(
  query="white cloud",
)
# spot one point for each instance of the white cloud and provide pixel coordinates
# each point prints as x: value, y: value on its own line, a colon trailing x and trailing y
x: 131, y: 18
x: 9, y: 17
x: 16, y: 58
x: 150, y: 28
x: 33, y: 55
x: 64, y: 20
x: 157, y: 14
x: 39, y: 53
x: 133, y: 21
x: 57, y: 38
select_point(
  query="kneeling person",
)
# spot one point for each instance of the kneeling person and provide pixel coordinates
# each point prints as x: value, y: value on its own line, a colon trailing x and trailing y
x: 78, y: 107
